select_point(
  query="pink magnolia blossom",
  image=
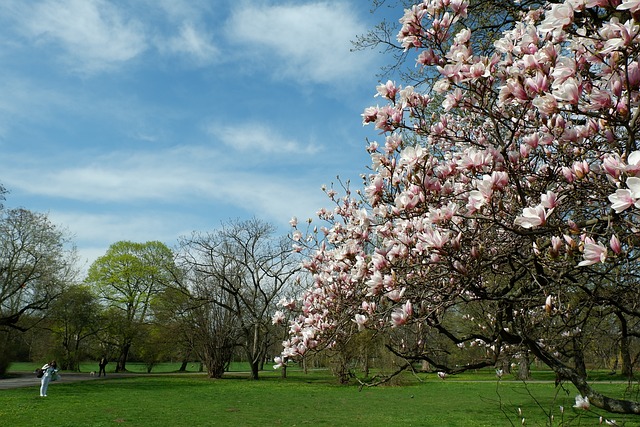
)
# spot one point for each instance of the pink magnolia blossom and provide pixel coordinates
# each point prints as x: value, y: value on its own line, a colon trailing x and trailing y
x: 387, y: 90
x: 614, y: 244
x: 556, y: 246
x: 612, y: 165
x: 279, y: 362
x: 593, y: 253
x: 533, y: 217
x: 582, y: 403
x: 568, y: 174
x: 600, y: 99
x: 630, y: 5
x: 548, y: 304
x: 549, y: 200
x: 475, y: 201
x: 633, y: 164
x: 623, y: 199
x: 459, y: 7
x: 568, y: 91
x: 559, y: 16
x: 400, y: 316
x: 581, y: 169
x: 278, y: 318
x: 546, y: 104
x: 396, y: 294
x: 360, y: 320
x: 288, y: 303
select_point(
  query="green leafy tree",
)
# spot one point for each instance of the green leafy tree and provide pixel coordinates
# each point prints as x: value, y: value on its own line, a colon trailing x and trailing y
x: 127, y: 279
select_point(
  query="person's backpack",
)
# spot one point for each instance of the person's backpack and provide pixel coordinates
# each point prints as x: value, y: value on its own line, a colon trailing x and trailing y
x: 39, y: 373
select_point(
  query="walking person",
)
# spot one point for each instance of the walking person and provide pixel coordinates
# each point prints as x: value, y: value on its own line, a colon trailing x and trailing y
x: 102, y: 364
x: 50, y: 374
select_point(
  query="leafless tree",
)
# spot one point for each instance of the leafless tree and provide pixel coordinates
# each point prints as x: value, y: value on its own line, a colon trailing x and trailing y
x: 245, y: 271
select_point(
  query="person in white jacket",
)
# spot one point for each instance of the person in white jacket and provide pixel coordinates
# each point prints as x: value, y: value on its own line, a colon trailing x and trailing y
x: 50, y: 372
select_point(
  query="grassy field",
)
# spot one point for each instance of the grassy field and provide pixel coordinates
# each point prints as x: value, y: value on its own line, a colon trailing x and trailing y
x: 314, y: 399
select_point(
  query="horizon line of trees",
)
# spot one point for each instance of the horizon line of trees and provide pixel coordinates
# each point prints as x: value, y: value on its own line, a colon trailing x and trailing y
x: 211, y: 299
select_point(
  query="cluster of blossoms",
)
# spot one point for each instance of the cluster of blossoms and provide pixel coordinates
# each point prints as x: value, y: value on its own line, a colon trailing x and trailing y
x: 529, y: 174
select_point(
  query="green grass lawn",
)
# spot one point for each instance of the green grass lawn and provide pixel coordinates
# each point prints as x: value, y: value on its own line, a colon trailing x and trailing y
x: 312, y: 399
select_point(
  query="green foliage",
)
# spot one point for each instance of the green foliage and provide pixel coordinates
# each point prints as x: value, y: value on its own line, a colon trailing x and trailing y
x: 74, y: 318
x: 127, y: 279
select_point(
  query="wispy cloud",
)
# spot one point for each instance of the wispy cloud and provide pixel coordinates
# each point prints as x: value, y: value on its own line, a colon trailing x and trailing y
x: 306, y: 42
x: 108, y: 109
x: 193, y: 43
x: 149, y: 196
x: 177, y: 175
x: 98, y: 35
x: 255, y: 137
x: 94, y: 232
x: 27, y: 104
x: 94, y: 34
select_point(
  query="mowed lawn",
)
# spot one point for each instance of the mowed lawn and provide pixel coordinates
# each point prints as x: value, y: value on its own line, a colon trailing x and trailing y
x: 312, y: 399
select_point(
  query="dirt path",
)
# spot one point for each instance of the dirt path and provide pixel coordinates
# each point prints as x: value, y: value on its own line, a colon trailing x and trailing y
x: 29, y: 379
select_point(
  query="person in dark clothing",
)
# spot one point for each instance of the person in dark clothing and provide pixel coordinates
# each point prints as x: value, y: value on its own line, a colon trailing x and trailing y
x: 103, y: 363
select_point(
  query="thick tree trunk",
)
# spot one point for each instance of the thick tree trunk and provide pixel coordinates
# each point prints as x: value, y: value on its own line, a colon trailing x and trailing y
x: 625, y: 348
x: 185, y: 362
x: 524, y: 371
x: 564, y: 372
x: 255, y: 369
x: 121, y: 366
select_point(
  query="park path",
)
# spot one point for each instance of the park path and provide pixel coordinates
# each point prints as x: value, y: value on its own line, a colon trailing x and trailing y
x: 29, y: 379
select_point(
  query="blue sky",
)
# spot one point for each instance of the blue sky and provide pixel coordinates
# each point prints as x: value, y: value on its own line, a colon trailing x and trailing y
x: 149, y: 119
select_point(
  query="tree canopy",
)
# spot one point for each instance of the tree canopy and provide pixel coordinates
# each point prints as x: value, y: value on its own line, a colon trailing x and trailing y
x: 127, y: 279
x: 36, y: 263
x: 240, y: 271
x: 501, y: 209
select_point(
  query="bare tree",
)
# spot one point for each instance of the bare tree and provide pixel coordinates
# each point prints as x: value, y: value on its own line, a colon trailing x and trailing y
x: 246, y: 271
x: 75, y: 317
x: 36, y: 262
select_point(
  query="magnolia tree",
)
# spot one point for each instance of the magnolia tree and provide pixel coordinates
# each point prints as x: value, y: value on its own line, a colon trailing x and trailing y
x: 501, y: 211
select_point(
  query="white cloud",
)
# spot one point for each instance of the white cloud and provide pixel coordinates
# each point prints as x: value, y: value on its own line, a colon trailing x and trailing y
x: 191, y: 42
x: 94, y: 34
x: 306, y: 42
x: 159, y: 196
x: 257, y: 138
x: 93, y: 233
x: 109, y: 227
x: 181, y: 175
x: 120, y: 177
